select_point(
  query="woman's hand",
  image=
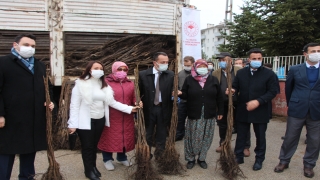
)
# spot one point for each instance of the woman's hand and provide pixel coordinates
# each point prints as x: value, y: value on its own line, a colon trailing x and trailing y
x: 72, y: 130
x: 135, y: 109
x: 51, y: 105
x: 219, y: 117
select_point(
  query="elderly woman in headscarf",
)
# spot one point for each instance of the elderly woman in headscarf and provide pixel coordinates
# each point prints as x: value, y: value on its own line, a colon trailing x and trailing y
x: 119, y: 137
x: 204, y: 103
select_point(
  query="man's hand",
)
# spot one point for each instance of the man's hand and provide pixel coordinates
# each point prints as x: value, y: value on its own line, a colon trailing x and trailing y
x: 252, y: 105
x: 51, y: 105
x: 232, y: 91
x: 220, y: 117
x: 179, y: 93
x: 2, y: 122
x: 140, y: 104
x: 72, y: 130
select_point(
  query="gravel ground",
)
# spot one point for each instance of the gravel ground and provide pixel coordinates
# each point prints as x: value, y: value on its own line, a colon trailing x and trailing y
x: 72, y: 168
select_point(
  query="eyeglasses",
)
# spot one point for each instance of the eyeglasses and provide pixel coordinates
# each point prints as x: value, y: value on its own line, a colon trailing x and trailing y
x: 122, y: 69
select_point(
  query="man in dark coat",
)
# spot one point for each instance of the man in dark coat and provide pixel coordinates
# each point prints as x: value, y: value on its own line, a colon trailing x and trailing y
x: 156, y: 85
x: 22, y: 108
x: 303, y: 100
x: 256, y: 86
x: 188, y: 62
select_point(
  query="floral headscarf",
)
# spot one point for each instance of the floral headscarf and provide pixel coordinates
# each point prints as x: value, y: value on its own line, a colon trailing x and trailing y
x: 200, y: 78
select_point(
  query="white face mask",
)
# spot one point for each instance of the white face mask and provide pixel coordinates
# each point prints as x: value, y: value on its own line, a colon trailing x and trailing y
x: 97, y: 73
x: 202, y: 71
x: 162, y: 67
x: 210, y: 67
x: 314, y: 57
x: 26, y: 51
x: 187, y: 68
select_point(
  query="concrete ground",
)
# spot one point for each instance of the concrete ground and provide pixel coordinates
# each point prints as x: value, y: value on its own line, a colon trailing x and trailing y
x: 72, y: 168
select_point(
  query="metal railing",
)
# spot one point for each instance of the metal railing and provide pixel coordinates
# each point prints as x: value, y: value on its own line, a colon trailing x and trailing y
x: 280, y: 64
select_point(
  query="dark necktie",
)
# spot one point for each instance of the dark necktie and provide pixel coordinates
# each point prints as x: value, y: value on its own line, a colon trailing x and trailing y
x: 312, y: 67
x: 156, y: 98
x: 253, y: 72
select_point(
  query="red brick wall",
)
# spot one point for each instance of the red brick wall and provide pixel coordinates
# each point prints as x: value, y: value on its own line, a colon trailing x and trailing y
x: 279, y: 103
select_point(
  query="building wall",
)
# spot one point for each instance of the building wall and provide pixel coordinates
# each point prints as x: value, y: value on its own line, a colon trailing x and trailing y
x: 211, y: 39
x: 171, y: 1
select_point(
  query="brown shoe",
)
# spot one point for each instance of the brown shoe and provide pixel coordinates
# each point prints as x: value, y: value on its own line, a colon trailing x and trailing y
x: 246, y: 152
x: 280, y: 167
x: 219, y: 149
x: 308, y: 172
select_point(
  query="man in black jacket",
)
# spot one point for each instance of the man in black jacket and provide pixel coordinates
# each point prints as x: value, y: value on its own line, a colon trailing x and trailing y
x: 182, y: 107
x: 256, y: 87
x: 22, y: 108
x: 156, y: 85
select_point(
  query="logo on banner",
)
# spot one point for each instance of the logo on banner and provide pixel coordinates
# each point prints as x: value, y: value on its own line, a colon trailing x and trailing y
x: 191, y: 28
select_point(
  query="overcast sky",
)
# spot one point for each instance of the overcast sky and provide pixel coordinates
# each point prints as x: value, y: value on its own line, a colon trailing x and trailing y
x: 213, y: 11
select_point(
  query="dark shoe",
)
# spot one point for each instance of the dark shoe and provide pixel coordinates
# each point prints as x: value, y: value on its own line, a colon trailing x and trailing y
x: 96, y: 171
x: 234, y: 131
x: 179, y: 138
x: 257, y: 165
x: 305, y: 142
x: 308, y: 172
x: 190, y: 164
x: 283, y: 137
x: 281, y: 167
x: 203, y: 164
x: 92, y: 176
x: 239, y: 160
x: 151, y: 156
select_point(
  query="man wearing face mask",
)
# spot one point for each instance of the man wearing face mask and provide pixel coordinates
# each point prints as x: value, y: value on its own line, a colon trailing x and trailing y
x: 221, y: 75
x: 182, y: 107
x: 303, y: 100
x: 210, y: 66
x: 156, y: 85
x: 22, y: 107
x: 255, y: 87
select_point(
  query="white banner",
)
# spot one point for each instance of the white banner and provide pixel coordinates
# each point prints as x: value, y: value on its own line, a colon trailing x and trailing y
x: 191, y: 33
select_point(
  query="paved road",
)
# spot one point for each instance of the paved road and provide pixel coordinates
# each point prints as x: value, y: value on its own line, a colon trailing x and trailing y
x: 72, y: 168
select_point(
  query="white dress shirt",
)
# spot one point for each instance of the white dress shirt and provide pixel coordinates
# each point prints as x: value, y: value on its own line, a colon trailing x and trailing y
x: 156, y: 74
x: 316, y: 65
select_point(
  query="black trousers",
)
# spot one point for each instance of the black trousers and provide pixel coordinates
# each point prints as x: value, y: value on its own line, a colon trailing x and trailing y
x: 182, y: 116
x: 260, y: 132
x: 89, y: 141
x: 26, y: 166
x: 156, y: 120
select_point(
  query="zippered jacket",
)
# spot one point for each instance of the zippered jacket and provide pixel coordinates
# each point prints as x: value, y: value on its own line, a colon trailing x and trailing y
x: 120, y: 134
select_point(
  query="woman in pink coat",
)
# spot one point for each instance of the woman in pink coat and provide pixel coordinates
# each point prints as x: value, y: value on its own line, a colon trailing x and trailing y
x: 119, y: 137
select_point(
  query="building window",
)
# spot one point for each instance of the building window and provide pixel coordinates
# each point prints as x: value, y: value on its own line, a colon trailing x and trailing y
x: 212, y: 48
x: 208, y: 40
x: 207, y: 48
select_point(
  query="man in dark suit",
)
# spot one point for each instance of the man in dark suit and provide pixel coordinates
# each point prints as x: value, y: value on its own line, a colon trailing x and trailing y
x: 303, y: 100
x: 256, y: 86
x: 156, y: 85
x: 22, y: 108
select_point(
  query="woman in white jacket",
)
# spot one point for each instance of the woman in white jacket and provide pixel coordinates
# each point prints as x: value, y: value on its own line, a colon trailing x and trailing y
x: 89, y: 113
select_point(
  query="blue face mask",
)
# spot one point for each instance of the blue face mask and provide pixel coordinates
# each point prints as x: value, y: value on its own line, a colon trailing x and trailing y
x: 255, y: 64
x: 223, y: 64
x: 202, y: 71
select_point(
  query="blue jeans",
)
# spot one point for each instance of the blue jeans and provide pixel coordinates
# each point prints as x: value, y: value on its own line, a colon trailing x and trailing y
x: 108, y: 156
